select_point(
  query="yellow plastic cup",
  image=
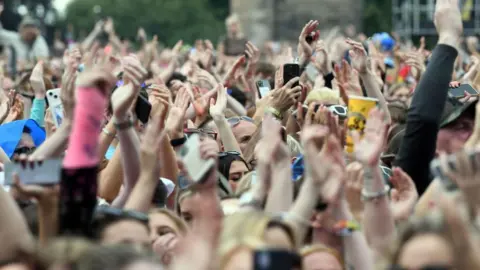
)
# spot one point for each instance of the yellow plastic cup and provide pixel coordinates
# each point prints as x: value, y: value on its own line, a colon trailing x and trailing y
x: 358, y: 110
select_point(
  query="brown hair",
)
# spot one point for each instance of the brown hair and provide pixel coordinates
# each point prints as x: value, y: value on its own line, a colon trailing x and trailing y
x: 307, y: 250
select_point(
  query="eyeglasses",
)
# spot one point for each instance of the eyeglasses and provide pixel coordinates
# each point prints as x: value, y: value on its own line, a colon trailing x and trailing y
x: 228, y: 153
x: 202, y: 132
x: 427, y: 267
x: 339, y: 110
x: 233, y: 121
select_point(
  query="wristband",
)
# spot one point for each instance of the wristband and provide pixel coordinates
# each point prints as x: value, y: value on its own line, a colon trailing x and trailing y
x: 346, y: 227
x: 178, y: 142
x: 370, y: 196
x: 276, y: 113
x: 123, y: 125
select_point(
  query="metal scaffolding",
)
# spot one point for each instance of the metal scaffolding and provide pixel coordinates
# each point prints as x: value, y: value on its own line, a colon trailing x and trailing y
x: 415, y: 17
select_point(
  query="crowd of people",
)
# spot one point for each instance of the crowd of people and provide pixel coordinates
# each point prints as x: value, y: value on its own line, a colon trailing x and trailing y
x: 339, y: 152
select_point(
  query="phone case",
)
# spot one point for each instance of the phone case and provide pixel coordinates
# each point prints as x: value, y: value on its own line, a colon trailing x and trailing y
x: 263, y: 87
x: 47, y: 173
x: 196, y: 166
x: 56, y: 106
x: 291, y: 71
x: 459, y: 92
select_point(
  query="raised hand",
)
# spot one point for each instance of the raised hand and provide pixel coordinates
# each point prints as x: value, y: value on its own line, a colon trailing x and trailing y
x: 404, y: 195
x: 305, y: 50
x: 159, y: 96
x: 176, y: 115
x: 151, y: 144
x: 125, y: 95
x: 448, y: 22
x: 282, y: 99
x: 230, y: 75
x: 217, y: 108
x: 368, y: 149
x: 353, y: 187
x: 322, y: 60
x: 358, y: 54
x: 253, y: 57
x: 36, y: 81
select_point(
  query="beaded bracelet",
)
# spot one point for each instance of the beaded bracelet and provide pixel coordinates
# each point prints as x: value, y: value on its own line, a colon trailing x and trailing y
x: 346, y: 227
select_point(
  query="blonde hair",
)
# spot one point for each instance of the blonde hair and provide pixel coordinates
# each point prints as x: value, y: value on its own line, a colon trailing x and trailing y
x: 323, y: 95
x: 228, y: 249
x: 433, y: 223
x: 181, y: 225
x: 307, y: 250
x: 233, y: 18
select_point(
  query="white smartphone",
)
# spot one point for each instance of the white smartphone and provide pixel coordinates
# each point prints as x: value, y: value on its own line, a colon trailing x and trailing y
x: 47, y: 172
x: 263, y: 87
x: 56, y: 106
x: 196, y: 167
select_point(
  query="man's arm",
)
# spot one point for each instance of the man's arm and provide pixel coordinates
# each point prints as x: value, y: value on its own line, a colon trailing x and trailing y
x: 419, y: 143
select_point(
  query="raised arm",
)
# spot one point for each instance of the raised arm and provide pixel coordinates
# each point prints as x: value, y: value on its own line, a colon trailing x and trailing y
x: 423, y: 120
x: 122, y: 100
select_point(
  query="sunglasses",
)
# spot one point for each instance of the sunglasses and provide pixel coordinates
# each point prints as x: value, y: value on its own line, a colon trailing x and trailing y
x: 339, y: 110
x: 233, y: 121
x: 201, y: 131
x: 24, y: 150
x: 228, y: 153
x: 428, y: 267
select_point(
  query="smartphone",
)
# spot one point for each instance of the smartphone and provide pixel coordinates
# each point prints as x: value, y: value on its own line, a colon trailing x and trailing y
x: 196, y: 167
x: 143, y: 109
x: 263, y: 87
x: 459, y: 92
x: 56, y: 106
x: 47, y: 172
x: 276, y: 259
x: 291, y: 71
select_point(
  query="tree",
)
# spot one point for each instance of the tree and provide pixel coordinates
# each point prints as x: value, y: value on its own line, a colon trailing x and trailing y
x: 377, y: 16
x: 170, y: 20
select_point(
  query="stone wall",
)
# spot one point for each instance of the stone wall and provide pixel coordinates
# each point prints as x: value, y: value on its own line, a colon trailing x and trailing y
x: 284, y: 19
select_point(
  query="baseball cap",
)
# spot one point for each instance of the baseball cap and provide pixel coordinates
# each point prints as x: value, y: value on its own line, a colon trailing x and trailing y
x: 454, y: 109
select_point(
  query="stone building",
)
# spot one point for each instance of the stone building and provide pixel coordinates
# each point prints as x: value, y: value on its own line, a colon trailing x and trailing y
x: 283, y: 19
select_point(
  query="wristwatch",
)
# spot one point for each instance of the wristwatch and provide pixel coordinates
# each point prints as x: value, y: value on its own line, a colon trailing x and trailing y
x: 123, y: 125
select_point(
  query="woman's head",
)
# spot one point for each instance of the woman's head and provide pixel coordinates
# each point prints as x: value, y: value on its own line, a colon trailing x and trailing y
x: 232, y: 167
x: 62, y: 252
x: 163, y: 221
x: 233, y: 25
x: 400, y: 92
x: 324, y: 96
x: 427, y: 242
x: 320, y: 257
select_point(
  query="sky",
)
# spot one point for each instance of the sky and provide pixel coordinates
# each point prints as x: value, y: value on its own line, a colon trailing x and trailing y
x: 60, y: 5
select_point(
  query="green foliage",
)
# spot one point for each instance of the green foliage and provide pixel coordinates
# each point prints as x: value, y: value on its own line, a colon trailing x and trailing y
x: 171, y: 20
x: 377, y: 16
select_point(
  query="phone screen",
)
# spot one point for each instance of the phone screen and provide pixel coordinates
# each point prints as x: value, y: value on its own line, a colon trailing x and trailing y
x: 276, y: 259
x: 291, y: 71
x: 263, y: 87
x: 460, y: 91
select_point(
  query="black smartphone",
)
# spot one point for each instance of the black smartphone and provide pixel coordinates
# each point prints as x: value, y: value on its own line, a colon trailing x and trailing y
x: 263, y: 87
x: 142, y: 109
x: 291, y: 71
x: 459, y: 92
x: 276, y: 259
